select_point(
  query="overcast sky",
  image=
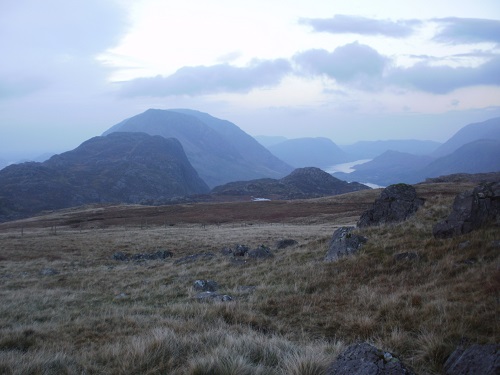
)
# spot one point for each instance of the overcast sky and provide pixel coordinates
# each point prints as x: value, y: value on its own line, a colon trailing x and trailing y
x: 348, y: 69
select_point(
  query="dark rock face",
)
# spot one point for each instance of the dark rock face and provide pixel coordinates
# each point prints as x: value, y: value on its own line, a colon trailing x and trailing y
x: 471, y: 210
x: 118, y: 168
x: 477, y: 359
x: 365, y: 359
x: 396, y: 203
x: 344, y: 243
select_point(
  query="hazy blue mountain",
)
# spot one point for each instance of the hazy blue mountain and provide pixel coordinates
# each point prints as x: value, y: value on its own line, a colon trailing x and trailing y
x: 309, y: 152
x: 269, y: 140
x: 389, y: 168
x: 475, y: 157
x: 489, y: 129
x: 120, y: 167
x: 370, y: 149
x: 217, y: 149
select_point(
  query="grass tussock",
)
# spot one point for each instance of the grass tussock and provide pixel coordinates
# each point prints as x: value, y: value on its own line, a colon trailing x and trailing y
x: 290, y: 314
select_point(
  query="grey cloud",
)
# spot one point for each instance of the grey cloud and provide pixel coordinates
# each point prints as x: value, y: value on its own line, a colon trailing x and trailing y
x: 346, y: 64
x: 200, y: 80
x: 54, y: 42
x: 445, y: 79
x: 467, y: 30
x: 343, y: 24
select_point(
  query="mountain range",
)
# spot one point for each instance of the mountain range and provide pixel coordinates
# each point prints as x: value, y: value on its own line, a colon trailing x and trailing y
x: 219, y: 150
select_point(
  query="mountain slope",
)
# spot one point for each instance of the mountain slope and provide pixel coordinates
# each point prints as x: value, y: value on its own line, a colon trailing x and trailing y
x: 489, y: 129
x: 120, y: 167
x: 475, y: 157
x: 217, y: 149
x: 371, y: 149
x: 389, y: 168
x: 302, y: 183
x: 309, y: 152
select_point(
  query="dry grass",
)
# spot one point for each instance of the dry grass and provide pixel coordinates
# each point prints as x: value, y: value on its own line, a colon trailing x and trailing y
x: 100, y: 316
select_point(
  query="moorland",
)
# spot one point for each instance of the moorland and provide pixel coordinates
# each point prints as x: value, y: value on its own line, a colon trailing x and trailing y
x: 69, y: 307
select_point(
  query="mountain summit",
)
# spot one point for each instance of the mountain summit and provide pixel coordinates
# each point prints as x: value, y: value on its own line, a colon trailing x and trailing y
x: 219, y: 150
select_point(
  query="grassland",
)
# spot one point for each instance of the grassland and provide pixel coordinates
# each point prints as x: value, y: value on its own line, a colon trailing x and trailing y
x: 68, y: 308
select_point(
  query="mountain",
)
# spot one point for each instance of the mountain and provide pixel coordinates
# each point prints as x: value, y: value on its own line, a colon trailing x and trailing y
x: 480, y: 156
x: 389, y: 168
x: 370, y: 149
x: 269, y: 140
x: 302, y: 183
x: 118, y: 168
x: 309, y: 152
x: 489, y: 129
x: 217, y: 149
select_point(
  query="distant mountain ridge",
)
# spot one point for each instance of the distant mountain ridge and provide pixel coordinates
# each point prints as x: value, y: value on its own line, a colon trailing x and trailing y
x: 371, y: 149
x: 118, y: 168
x: 489, y: 129
x: 219, y: 150
x: 302, y: 183
x: 309, y: 152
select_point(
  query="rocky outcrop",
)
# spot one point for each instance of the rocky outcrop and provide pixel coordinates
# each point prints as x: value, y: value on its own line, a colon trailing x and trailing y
x: 396, y: 203
x: 343, y: 243
x: 477, y: 359
x: 260, y: 252
x: 471, y: 210
x: 283, y: 244
x: 160, y: 254
x: 205, y: 285
x: 365, y: 359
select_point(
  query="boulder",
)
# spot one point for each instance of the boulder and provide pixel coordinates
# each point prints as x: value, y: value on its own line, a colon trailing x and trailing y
x: 260, y: 252
x: 205, y: 285
x: 471, y: 210
x: 396, y: 203
x: 212, y: 296
x: 477, y: 359
x: 240, y: 250
x: 344, y: 243
x: 282, y: 244
x: 365, y: 359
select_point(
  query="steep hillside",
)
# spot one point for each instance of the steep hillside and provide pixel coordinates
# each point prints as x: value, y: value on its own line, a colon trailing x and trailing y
x: 300, y: 184
x: 217, y: 149
x: 309, y: 152
x: 269, y: 140
x: 120, y: 167
x: 489, y: 129
x: 389, y: 168
x: 475, y: 157
x: 370, y: 149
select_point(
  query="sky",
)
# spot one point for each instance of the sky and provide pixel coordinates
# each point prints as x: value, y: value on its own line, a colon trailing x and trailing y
x: 348, y: 70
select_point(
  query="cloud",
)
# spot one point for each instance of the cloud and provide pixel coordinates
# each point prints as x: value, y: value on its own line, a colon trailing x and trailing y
x: 467, y: 30
x: 445, y: 79
x: 351, y: 63
x: 201, y: 80
x: 347, y: 24
x: 50, y: 42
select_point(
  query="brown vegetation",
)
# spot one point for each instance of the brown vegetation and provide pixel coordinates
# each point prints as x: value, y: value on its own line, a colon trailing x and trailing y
x: 68, y: 307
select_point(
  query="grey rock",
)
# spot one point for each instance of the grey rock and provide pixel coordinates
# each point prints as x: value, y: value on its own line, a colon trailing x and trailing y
x: 240, y: 250
x: 160, y: 254
x: 212, y: 296
x: 396, y: 203
x: 120, y: 256
x: 344, y: 243
x: 260, y: 252
x: 463, y: 245
x: 471, y: 210
x: 365, y: 359
x: 477, y: 359
x: 282, y: 244
x: 205, y: 285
